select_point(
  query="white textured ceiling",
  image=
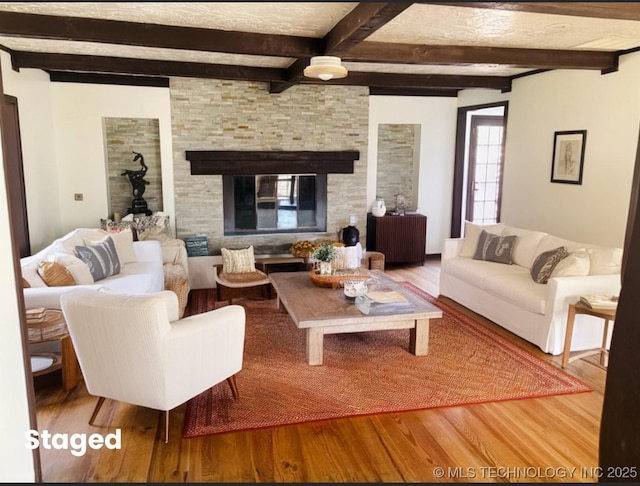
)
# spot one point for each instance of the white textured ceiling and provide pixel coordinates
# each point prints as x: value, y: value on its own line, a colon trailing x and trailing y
x: 447, y: 25
x: 420, y: 24
x: 307, y: 19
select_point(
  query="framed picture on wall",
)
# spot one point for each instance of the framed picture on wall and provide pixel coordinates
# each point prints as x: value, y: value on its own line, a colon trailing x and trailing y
x: 568, y: 156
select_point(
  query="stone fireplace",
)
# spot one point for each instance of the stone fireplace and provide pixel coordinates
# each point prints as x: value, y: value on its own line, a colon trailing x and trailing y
x: 215, y: 116
x: 273, y: 192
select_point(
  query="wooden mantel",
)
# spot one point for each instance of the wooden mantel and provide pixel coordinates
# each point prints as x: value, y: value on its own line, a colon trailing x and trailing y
x: 251, y: 162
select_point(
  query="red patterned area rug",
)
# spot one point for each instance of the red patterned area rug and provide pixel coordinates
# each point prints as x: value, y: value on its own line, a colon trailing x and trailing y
x: 368, y: 373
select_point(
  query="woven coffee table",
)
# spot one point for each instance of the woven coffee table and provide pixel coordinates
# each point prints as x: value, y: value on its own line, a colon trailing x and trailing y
x: 321, y: 310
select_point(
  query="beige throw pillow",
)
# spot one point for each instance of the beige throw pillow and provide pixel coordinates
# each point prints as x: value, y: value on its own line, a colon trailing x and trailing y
x: 525, y: 248
x: 78, y: 269
x: 605, y: 261
x: 575, y: 264
x: 238, y: 261
x: 31, y: 275
x: 55, y: 275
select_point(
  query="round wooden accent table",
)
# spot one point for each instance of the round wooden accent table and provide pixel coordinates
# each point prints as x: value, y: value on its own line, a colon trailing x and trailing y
x: 54, y: 328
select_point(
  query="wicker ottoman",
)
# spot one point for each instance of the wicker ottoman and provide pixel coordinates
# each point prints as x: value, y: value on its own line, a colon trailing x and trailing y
x: 175, y: 279
x: 373, y: 260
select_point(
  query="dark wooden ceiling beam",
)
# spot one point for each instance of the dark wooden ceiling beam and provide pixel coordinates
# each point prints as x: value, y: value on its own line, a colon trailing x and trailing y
x: 295, y: 74
x: 99, y: 64
x: 154, y: 35
x: 466, y: 55
x: 113, y: 79
x: 448, y: 93
x: 104, y: 64
x: 601, y: 10
x: 360, y: 23
x: 434, y: 81
x: 353, y: 28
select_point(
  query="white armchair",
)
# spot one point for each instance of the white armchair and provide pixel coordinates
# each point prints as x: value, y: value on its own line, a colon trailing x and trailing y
x: 133, y: 348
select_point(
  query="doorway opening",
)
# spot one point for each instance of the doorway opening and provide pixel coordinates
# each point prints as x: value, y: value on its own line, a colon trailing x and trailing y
x: 484, y: 178
x: 479, y: 161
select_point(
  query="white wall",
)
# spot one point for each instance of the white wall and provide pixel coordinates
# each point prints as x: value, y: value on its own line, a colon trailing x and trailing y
x: 63, y: 146
x: 63, y: 153
x: 608, y: 107
x: 473, y: 97
x: 78, y: 110
x: 16, y: 461
x: 437, y: 120
x: 33, y: 90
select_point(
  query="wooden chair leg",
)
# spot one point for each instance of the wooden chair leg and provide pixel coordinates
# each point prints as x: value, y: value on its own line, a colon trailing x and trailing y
x: 234, y: 387
x: 166, y: 426
x: 224, y: 294
x: 96, y: 410
x: 230, y: 295
x: 266, y: 291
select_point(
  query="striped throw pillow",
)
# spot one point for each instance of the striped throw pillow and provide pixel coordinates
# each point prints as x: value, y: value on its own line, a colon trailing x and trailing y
x: 101, y: 257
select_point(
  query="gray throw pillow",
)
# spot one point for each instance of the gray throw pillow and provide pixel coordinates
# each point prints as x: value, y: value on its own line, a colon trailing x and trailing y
x: 495, y: 248
x: 545, y: 262
x: 101, y: 257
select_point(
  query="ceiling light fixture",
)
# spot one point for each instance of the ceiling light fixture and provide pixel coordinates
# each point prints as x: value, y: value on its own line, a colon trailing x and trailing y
x: 325, y: 68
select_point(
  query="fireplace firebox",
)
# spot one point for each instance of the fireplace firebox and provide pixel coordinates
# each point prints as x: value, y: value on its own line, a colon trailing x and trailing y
x: 266, y: 192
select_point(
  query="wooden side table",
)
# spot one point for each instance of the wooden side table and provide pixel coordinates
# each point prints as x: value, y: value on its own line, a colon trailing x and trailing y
x: 54, y: 328
x: 582, y: 308
x: 280, y: 264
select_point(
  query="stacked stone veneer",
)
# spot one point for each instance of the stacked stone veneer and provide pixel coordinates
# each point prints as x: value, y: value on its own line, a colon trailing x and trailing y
x: 235, y: 115
x: 396, y: 155
x: 123, y: 137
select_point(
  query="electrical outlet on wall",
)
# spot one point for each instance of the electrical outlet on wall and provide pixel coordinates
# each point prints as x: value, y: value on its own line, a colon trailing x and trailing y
x: 77, y: 197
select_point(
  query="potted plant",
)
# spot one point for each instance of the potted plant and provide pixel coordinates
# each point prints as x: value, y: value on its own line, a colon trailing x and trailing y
x: 324, y: 254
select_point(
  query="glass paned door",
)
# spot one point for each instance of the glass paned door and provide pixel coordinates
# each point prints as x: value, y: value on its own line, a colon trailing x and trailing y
x: 485, y: 169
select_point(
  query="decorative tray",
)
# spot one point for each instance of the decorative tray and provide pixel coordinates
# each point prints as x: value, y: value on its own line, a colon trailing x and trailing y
x: 337, y: 279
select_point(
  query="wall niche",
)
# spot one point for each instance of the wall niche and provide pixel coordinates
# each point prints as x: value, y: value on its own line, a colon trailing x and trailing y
x: 398, y: 163
x: 123, y: 137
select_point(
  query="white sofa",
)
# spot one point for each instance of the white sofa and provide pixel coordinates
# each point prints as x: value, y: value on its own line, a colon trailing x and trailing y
x: 145, y: 275
x: 507, y: 294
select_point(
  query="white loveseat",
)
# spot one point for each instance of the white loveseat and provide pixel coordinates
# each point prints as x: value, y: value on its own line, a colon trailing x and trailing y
x: 508, y: 295
x: 141, y: 271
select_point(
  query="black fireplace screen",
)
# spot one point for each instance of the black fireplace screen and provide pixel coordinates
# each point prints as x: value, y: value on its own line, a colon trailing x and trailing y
x: 281, y: 203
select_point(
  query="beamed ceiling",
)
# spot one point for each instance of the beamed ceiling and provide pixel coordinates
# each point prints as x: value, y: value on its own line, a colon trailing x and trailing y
x: 422, y: 48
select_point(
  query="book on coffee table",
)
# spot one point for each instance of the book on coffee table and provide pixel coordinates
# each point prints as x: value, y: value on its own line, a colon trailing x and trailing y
x: 600, y: 301
x: 387, y: 297
x: 384, y: 302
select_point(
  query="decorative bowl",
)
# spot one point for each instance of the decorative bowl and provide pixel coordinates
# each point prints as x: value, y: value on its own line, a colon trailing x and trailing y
x: 336, y: 279
x: 354, y: 288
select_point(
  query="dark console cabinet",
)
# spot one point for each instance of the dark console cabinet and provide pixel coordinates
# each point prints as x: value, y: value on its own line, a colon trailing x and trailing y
x: 402, y: 239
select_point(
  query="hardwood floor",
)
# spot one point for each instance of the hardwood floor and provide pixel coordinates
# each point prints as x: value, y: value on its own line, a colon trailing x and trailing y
x: 552, y: 439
